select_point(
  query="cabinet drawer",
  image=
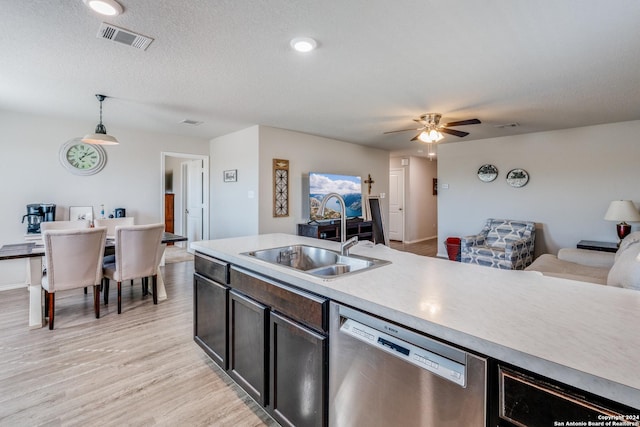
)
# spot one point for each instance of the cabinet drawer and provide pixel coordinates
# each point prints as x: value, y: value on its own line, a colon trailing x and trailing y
x: 306, y: 308
x: 211, y: 268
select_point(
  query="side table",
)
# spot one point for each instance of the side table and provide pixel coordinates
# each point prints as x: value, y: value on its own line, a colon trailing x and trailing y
x: 593, y: 245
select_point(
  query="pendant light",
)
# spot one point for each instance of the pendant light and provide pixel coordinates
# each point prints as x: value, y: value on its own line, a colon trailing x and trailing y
x: 100, y: 137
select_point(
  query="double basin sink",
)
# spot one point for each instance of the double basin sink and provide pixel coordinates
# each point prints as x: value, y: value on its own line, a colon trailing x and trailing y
x: 316, y: 261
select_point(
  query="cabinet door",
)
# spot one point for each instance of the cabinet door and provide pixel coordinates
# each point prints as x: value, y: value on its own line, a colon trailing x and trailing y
x: 210, y: 305
x: 298, y: 374
x: 248, y: 336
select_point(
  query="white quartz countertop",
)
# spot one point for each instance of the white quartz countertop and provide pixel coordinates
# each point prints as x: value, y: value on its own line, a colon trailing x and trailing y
x: 581, y: 334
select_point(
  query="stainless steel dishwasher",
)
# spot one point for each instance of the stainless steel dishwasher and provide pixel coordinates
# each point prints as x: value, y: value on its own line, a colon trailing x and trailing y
x: 384, y: 375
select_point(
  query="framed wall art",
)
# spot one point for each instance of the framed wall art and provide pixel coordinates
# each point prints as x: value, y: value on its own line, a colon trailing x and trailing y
x: 230, y: 175
x: 77, y: 213
x: 280, y: 188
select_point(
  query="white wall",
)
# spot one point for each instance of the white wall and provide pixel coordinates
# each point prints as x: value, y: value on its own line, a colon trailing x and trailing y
x: 251, y: 151
x: 574, y: 175
x: 30, y: 172
x: 421, y: 206
x: 308, y: 153
x: 233, y: 211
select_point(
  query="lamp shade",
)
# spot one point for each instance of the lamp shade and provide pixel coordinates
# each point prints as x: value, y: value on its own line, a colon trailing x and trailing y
x: 622, y: 210
x: 100, y: 139
x: 100, y: 136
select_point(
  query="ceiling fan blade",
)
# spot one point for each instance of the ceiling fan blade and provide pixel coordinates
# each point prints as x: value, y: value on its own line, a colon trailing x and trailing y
x: 401, y: 130
x: 415, y: 138
x: 453, y: 132
x: 464, y: 122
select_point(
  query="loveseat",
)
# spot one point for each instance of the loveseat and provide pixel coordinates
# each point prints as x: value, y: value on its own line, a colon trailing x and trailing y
x: 621, y: 269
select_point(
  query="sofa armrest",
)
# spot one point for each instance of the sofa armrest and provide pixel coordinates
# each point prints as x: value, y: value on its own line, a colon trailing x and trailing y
x: 587, y: 257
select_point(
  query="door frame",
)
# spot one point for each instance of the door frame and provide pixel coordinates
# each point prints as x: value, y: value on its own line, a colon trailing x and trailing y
x: 205, y: 185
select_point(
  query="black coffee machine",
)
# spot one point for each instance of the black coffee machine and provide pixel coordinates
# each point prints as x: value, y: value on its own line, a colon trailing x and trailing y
x: 37, y: 213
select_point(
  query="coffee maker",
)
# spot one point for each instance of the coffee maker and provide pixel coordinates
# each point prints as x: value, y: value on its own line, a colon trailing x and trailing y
x: 37, y: 213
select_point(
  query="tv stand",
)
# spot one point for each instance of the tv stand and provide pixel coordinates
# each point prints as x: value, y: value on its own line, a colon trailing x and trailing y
x: 330, y: 230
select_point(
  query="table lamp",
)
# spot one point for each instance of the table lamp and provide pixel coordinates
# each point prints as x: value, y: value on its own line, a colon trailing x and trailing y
x: 622, y: 210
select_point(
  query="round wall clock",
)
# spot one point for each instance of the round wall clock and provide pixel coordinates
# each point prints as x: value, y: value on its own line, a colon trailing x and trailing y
x: 487, y: 173
x: 82, y: 159
x: 517, y: 178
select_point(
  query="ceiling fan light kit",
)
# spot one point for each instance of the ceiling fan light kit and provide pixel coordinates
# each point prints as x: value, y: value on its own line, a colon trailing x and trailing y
x: 432, y: 131
x: 100, y: 136
x: 105, y: 7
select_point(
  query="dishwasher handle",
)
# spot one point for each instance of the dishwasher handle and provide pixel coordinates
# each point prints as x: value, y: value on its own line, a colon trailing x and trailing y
x: 448, y: 369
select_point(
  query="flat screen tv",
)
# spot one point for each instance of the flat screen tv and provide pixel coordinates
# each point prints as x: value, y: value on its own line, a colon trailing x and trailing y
x: 348, y: 186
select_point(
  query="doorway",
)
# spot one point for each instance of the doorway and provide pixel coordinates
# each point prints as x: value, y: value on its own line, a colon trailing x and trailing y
x: 187, y: 177
x: 396, y: 204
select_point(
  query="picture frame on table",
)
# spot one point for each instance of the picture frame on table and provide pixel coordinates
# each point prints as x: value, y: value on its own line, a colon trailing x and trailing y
x: 78, y: 213
x: 230, y: 175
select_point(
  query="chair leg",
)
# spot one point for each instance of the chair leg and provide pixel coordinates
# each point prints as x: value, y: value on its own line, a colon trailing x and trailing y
x: 145, y: 286
x: 46, y: 303
x: 119, y: 297
x: 131, y: 282
x: 105, y: 289
x: 96, y: 300
x: 52, y: 304
x: 85, y: 290
x: 154, y: 284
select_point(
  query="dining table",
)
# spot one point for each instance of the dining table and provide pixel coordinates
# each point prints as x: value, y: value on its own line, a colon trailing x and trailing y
x: 33, y: 251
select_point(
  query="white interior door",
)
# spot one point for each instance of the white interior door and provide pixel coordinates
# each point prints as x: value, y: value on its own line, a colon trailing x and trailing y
x: 396, y: 204
x: 194, y: 201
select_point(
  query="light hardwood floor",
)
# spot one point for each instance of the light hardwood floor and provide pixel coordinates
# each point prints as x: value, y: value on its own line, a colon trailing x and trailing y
x: 138, y: 368
x: 425, y: 248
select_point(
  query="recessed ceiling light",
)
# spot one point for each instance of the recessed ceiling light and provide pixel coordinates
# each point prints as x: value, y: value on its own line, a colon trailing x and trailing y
x: 105, y: 7
x: 303, y: 44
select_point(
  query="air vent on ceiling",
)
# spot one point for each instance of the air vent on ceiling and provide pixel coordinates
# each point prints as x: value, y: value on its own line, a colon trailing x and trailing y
x: 507, y: 125
x: 191, y: 122
x: 120, y: 35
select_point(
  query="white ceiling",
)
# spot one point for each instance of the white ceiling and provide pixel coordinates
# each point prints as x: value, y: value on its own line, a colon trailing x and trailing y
x: 548, y: 64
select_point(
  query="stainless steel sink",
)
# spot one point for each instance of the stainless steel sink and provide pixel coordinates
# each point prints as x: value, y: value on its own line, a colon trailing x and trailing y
x: 316, y: 261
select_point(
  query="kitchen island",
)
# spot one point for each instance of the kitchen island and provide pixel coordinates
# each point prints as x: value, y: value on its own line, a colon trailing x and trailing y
x: 580, y: 334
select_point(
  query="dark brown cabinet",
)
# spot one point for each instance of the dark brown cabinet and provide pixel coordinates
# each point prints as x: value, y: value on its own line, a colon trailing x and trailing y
x: 271, y: 339
x: 331, y: 231
x: 298, y: 373
x: 210, y: 307
x: 169, y: 199
x: 210, y: 318
x: 248, y: 335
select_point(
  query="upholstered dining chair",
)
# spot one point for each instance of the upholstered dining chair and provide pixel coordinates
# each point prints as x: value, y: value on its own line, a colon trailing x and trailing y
x: 137, y: 256
x: 64, y: 225
x: 73, y: 259
x: 112, y: 223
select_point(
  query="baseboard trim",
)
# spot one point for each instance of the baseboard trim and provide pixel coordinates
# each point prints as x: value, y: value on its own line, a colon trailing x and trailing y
x: 11, y: 286
x: 419, y: 240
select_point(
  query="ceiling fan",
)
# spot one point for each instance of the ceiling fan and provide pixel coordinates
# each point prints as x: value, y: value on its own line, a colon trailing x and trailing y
x: 431, y: 130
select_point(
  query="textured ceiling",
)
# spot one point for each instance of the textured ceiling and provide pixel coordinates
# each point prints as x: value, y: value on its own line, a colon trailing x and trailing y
x: 548, y: 64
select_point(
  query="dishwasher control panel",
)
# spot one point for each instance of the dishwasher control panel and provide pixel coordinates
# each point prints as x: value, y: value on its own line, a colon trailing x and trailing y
x: 446, y: 368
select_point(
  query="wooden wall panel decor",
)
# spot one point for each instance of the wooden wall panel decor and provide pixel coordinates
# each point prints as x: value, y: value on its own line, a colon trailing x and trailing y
x: 280, y: 188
